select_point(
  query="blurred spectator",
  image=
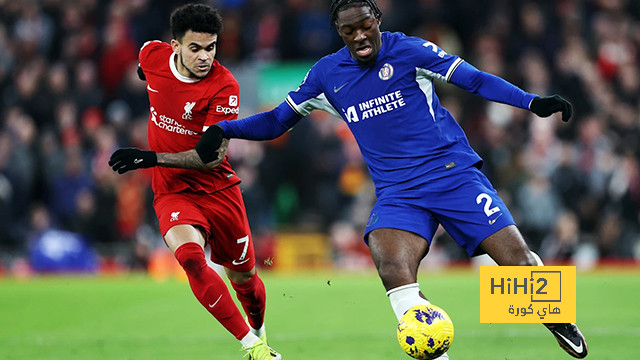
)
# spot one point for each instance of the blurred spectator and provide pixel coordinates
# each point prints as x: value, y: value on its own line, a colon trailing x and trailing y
x: 33, y: 30
x: 87, y: 93
x: 22, y: 166
x: 563, y: 242
x: 70, y: 95
x: 68, y: 186
x: 119, y: 50
x: 540, y: 207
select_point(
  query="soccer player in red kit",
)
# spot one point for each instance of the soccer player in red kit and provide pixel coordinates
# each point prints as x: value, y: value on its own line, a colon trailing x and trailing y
x: 196, y: 204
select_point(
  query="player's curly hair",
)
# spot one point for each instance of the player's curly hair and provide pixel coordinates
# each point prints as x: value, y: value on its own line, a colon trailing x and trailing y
x: 338, y: 5
x: 195, y: 17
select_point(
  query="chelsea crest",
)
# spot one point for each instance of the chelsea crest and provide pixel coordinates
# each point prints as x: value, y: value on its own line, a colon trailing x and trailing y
x: 386, y: 72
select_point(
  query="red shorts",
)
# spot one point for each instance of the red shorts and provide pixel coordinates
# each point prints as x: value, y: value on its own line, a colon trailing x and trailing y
x: 222, y: 217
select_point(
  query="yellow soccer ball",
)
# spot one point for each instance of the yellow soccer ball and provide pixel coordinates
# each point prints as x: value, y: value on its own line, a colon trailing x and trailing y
x: 425, y: 332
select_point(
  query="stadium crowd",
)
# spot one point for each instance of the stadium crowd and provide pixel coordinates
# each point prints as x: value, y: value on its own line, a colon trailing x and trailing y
x: 69, y: 96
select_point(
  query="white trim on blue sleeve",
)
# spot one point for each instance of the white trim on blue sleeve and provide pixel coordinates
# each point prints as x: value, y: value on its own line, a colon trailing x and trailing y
x: 453, y: 68
x: 320, y: 102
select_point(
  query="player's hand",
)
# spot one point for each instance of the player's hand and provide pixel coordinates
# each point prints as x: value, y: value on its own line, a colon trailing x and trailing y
x: 123, y: 160
x: 548, y: 105
x: 141, y: 74
x: 209, y: 144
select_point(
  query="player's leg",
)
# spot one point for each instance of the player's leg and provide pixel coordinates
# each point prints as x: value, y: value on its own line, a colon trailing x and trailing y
x: 186, y: 227
x: 397, y: 255
x: 187, y: 244
x: 232, y: 247
x: 508, y: 248
x: 236, y: 252
x: 397, y: 233
x: 252, y: 295
x: 493, y: 226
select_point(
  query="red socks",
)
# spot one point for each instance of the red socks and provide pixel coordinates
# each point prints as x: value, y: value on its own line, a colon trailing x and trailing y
x: 211, y: 290
x: 253, y: 298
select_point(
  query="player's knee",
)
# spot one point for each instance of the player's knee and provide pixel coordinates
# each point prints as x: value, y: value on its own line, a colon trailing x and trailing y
x: 392, y: 274
x: 191, y: 258
x: 239, y: 277
x: 193, y: 267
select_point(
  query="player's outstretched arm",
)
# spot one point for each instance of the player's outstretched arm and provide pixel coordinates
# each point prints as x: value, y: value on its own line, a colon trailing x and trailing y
x: 494, y: 88
x: 263, y: 126
x: 190, y: 159
x: 123, y: 160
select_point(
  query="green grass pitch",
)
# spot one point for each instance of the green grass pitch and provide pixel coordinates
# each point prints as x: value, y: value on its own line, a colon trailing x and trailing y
x: 312, y: 316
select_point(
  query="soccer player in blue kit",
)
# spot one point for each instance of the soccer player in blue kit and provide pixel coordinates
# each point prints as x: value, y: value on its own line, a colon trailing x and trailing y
x: 424, y: 170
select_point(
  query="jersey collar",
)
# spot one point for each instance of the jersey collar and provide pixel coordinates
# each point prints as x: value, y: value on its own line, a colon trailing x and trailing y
x: 174, y: 70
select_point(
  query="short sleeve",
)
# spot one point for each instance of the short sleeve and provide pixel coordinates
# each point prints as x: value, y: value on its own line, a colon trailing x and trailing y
x: 435, y: 62
x: 310, y: 94
x: 310, y: 88
x: 146, y: 49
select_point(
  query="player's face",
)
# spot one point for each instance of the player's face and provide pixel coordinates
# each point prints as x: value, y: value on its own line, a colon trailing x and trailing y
x: 195, y: 53
x: 360, y: 31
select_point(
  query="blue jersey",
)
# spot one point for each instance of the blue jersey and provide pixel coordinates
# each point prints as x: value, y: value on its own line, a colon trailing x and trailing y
x: 406, y: 137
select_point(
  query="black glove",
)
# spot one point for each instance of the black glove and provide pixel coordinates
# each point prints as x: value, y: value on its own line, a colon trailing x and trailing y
x: 545, y: 106
x: 141, y: 74
x: 208, y: 145
x: 123, y: 160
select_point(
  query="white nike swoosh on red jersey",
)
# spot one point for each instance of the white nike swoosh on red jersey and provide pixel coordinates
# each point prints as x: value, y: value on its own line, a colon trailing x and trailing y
x: 234, y: 262
x: 214, y: 304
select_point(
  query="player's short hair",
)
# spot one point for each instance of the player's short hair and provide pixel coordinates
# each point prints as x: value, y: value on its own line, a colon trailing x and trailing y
x: 195, y: 17
x: 339, y: 5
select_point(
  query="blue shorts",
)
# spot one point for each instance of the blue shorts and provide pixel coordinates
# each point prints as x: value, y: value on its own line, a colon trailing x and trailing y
x: 465, y: 203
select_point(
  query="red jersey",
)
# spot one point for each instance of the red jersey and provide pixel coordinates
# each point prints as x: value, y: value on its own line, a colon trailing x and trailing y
x: 181, y: 109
